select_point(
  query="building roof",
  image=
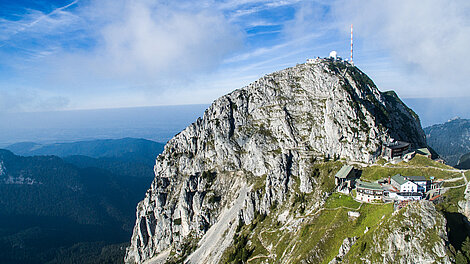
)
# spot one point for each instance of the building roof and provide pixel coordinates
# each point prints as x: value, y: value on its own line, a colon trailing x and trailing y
x: 423, y: 151
x: 344, y: 172
x: 416, y: 178
x: 396, y: 144
x: 399, y: 179
x: 368, y: 185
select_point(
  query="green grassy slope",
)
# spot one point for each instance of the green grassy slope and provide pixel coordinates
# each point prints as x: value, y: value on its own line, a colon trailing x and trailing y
x: 298, y: 231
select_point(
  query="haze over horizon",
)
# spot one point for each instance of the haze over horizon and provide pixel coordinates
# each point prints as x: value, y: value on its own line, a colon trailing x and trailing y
x: 84, y: 54
x: 158, y: 123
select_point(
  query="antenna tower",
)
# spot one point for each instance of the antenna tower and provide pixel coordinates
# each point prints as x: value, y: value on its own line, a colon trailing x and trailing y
x: 352, y: 63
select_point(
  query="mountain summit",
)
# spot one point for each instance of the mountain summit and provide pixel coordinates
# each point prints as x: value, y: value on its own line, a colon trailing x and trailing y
x: 254, y: 149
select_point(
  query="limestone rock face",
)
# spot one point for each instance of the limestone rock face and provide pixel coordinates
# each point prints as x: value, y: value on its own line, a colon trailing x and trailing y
x: 255, y: 139
x: 344, y: 249
x: 416, y: 234
x: 464, y: 205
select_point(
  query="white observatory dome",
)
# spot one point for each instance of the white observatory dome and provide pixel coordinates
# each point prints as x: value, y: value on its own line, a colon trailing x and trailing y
x: 333, y: 54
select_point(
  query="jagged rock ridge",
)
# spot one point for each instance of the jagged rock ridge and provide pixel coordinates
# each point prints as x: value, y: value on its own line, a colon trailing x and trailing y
x: 255, y: 142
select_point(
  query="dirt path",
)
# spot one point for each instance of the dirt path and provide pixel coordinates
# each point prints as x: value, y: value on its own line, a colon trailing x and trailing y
x: 260, y: 238
x: 457, y: 179
x: 257, y: 257
x: 455, y: 187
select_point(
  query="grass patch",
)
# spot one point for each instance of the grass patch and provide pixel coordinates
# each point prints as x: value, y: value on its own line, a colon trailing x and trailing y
x: 320, y: 238
x: 454, y: 183
x: 420, y: 160
x: 239, y: 252
x: 246, y: 243
x: 341, y: 200
x: 325, y: 173
x: 258, y: 182
x: 467, y: 175
x: 373, y: 173
x: 451, y: 198
x: 371, y: 214
x: 381, y: 161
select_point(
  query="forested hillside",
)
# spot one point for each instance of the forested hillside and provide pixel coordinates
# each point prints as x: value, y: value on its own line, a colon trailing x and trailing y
x: 76, y: 209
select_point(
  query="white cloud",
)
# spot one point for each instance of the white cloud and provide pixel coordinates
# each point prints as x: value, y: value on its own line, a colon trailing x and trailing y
x: 311, y: 17
x: 282, y: 3
x: 284, y: 49
x: 429, y: 39
x: 262, y: 23
x: 240, y: 10
x: 129, y: 45
x: 157, y: 39
x: 128, y: 52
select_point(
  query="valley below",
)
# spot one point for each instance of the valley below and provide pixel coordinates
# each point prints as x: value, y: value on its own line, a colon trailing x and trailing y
x: 76, y: 208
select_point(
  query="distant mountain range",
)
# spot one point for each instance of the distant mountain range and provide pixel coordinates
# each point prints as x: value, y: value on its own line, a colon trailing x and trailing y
x: 79, y: 207
x: 451, y: 139
x: 128, y: 149
x: 437, y: 110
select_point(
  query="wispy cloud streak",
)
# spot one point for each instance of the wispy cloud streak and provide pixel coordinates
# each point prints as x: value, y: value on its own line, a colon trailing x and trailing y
x: 12, y: 28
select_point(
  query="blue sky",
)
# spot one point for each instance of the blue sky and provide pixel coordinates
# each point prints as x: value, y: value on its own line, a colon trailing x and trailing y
x: 87, y: 54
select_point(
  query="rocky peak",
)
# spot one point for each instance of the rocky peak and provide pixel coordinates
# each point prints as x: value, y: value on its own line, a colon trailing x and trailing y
x: 256, y: 142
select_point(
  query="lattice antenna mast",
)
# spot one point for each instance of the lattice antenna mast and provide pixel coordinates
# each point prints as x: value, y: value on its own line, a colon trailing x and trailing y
x: 352, y: 63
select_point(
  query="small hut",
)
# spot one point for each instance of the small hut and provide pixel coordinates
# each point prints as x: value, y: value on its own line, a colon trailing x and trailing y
x: 345, y: 177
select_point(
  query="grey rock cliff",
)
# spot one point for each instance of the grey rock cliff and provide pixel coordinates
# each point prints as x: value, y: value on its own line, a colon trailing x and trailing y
x: 256, y: 138
x: 464, y: 204
x: 415, y: 234
x: 344, y: 249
